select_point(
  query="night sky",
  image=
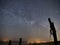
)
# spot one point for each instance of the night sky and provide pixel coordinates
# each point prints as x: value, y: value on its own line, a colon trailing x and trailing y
x: 28, y: 18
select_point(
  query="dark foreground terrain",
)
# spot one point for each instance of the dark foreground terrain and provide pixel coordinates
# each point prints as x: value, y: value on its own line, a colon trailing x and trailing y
x: 16, y: 43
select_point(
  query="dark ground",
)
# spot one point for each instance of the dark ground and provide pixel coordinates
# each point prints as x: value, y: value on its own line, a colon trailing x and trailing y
x: 16, y: 43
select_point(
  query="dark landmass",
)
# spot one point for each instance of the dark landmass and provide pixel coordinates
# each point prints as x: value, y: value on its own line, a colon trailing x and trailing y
x: 17, y: 43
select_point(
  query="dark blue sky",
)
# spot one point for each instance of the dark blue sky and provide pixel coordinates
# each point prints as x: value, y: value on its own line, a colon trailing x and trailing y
x: 28, y: 18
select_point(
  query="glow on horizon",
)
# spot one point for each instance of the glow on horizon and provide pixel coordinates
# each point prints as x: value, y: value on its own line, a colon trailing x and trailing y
x: 5, y: 39
x: 36, y: 40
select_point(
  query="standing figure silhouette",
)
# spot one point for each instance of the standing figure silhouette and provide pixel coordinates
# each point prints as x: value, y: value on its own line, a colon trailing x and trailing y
x: 9, y: 42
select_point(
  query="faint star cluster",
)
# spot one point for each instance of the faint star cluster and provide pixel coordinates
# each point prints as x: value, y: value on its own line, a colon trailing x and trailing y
x: 28, y: 18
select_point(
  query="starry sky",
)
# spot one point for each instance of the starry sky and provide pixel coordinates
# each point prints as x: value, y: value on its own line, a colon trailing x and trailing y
x: 28, y: 18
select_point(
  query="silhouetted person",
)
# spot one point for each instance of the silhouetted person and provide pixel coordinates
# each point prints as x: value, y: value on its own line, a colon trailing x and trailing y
x: 20, y: 41
x: 9, y: 43
x: 53, y: 31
